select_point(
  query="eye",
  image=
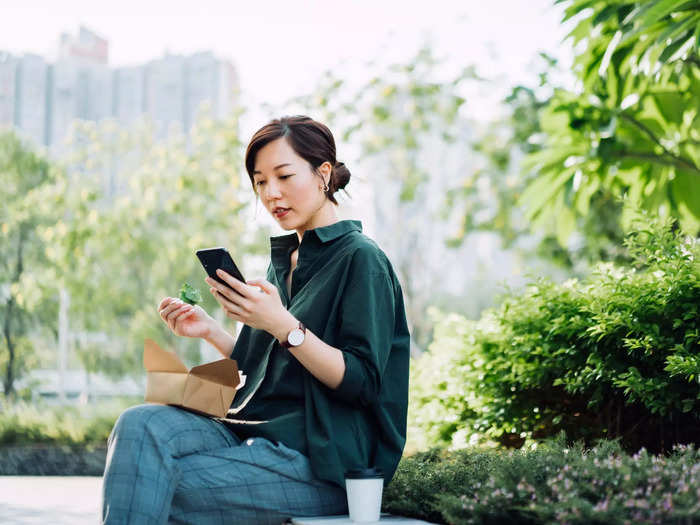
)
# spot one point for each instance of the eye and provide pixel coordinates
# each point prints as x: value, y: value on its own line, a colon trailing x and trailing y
x: 286, y: 176
x: 259, y: 183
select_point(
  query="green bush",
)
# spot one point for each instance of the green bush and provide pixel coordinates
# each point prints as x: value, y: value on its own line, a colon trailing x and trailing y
x: 615, y: 355
x: 89, y: 425
x: 53, y: 460
x: 552, y: 483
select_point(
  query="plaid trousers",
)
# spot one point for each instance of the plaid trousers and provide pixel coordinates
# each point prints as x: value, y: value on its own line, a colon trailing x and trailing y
x: 167, y: 465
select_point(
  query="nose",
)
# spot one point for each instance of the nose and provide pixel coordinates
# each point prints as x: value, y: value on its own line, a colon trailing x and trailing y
x: 271, y: 190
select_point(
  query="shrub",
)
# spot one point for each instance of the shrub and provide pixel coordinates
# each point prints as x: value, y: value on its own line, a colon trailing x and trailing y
x: 615, y: 355
x: 52, y: 460
x: 69, y: 425
x: 553, y: 483
x: 421, y: 478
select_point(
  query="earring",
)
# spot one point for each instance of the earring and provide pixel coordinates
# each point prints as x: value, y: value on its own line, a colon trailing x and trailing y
x: 325, y: 187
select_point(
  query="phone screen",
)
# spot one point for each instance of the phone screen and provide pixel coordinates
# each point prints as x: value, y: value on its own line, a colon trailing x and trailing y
x: 214, y: 258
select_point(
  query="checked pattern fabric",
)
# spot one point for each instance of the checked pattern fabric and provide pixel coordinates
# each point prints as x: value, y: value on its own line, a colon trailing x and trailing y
x: 167, y: 465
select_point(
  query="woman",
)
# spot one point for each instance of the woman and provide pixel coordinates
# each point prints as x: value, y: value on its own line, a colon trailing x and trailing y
x: 325, y: 349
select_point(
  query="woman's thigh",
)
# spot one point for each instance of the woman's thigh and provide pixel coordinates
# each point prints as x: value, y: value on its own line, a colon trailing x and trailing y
x: 256, y: 482
x: 180, y: 431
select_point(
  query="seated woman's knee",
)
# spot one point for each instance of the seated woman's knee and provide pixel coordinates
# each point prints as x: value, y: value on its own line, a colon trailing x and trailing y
x: 136, y: 419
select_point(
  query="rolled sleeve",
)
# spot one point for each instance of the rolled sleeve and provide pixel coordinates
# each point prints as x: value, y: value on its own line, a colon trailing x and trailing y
x: 366, y: 331
x: 354, y: 378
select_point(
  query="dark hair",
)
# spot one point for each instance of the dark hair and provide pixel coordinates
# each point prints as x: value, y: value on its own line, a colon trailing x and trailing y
x: 311, y: 140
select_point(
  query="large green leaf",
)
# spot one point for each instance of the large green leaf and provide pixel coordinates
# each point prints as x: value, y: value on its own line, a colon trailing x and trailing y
x: 671, y: 105
x: 657, y: 10
x: 686, y: 189
x: 544, y: 189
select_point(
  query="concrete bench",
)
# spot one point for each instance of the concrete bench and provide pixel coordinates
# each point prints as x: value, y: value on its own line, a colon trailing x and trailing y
x: 345, y: 519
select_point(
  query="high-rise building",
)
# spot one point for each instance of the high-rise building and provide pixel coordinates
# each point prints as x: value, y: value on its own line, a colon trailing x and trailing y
x: 30, y: 98
x: 209, y: 82
x: 128, y: 101
x: 81, y: 84
x: 8, y: 81
x: 43, y: 100
x: 62, y: 103
x: 165, y: 94
x: 86, y: 46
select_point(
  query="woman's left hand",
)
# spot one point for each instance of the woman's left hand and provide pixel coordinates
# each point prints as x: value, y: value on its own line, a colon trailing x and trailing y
x: 256, y: 303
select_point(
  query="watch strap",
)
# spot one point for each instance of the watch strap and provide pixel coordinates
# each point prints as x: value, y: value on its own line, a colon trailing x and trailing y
x: 286, y: 343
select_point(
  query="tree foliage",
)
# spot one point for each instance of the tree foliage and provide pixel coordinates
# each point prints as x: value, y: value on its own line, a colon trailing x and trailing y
x: 116, y: 226
x: 488, y: 197
x: 633, y: 125
x: 120, y: 252
x: 23, y: 172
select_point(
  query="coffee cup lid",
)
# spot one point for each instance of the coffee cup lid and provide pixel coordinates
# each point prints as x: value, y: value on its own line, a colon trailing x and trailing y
x: 364, y: 473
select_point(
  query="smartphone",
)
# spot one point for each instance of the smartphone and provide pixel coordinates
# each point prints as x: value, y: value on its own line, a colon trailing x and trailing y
x: 214, y: 258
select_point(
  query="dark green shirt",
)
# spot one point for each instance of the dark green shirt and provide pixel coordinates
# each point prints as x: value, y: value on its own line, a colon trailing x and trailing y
x: 345, y: 291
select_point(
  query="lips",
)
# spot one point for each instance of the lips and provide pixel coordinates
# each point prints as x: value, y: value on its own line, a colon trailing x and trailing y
x: 280, y: 212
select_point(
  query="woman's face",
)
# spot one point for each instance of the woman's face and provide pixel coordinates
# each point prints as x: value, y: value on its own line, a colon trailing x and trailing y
x: 289, y: 189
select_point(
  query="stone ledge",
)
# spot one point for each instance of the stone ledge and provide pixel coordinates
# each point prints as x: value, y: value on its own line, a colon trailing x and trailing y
x: 345, y: 519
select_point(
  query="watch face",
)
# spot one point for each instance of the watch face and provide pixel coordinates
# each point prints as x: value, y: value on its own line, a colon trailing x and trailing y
x: 296, y: 337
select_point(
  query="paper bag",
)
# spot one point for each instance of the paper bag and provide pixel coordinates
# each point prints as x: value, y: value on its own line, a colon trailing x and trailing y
x: 207, y: 389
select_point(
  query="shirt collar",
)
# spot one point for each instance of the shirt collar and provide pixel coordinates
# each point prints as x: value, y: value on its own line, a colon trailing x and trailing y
x: 324, y: 234
x: 337, y: 229
x: 281, y: 246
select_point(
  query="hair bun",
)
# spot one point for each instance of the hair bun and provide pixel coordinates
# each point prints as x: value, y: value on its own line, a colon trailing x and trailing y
x: 339, y: 177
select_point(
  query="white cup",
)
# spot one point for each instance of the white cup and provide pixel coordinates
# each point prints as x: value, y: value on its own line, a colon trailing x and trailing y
x: 364, y: 489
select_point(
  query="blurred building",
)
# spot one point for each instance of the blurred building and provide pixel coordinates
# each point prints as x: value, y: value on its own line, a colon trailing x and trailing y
x: 8, y: 82
x: 208, y: 82
x: 42, y: 100
x: 129, y: 94
x: 165, y: 94
x: 30, y: 97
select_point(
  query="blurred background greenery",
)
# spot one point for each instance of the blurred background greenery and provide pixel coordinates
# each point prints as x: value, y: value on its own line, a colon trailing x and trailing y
x: 560, y: 176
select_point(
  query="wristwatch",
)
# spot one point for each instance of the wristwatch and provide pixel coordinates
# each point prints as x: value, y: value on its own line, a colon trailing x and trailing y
x: 295, y: 337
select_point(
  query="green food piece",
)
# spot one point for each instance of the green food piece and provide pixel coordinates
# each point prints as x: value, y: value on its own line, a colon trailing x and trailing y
x: 190, y: 294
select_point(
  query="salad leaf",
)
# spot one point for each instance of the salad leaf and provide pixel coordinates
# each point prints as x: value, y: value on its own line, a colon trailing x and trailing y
x: 190, y: 294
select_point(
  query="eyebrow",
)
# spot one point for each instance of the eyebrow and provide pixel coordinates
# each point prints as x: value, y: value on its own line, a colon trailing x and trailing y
x: 257, y: 172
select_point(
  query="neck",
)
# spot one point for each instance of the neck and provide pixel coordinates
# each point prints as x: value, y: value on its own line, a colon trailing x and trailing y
x: 325, y: 216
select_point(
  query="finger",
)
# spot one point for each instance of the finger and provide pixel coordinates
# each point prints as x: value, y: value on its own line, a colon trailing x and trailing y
x: 175, y: 303
x: 235, y: 301
x: 220, y: 292
x: 235, y: 314
x: 234, y: 310
x: 264, y: 285
x: 168, y: 313
x: 182, y: 313
x: 181, y: 316
x: 169, y: 309
x: 173, y: 315
x: 223, y: 289
x: 234, y: 283
x: 165, y: 302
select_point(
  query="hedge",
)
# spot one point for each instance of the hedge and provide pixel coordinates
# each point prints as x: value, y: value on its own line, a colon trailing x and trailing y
x: 614, y: 355
x: 553, y: 483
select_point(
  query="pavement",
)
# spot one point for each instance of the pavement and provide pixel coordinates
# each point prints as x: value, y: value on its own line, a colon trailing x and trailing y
x: 58, y: 500
x: 69, y: 500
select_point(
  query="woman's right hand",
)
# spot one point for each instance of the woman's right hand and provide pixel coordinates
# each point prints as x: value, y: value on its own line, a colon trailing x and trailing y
x: 185, y: 319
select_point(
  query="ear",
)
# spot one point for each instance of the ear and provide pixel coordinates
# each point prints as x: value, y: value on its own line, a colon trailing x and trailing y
x: 325, y: 170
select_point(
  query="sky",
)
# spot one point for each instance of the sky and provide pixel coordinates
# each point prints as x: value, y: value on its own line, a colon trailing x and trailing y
x: 280, y: 48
